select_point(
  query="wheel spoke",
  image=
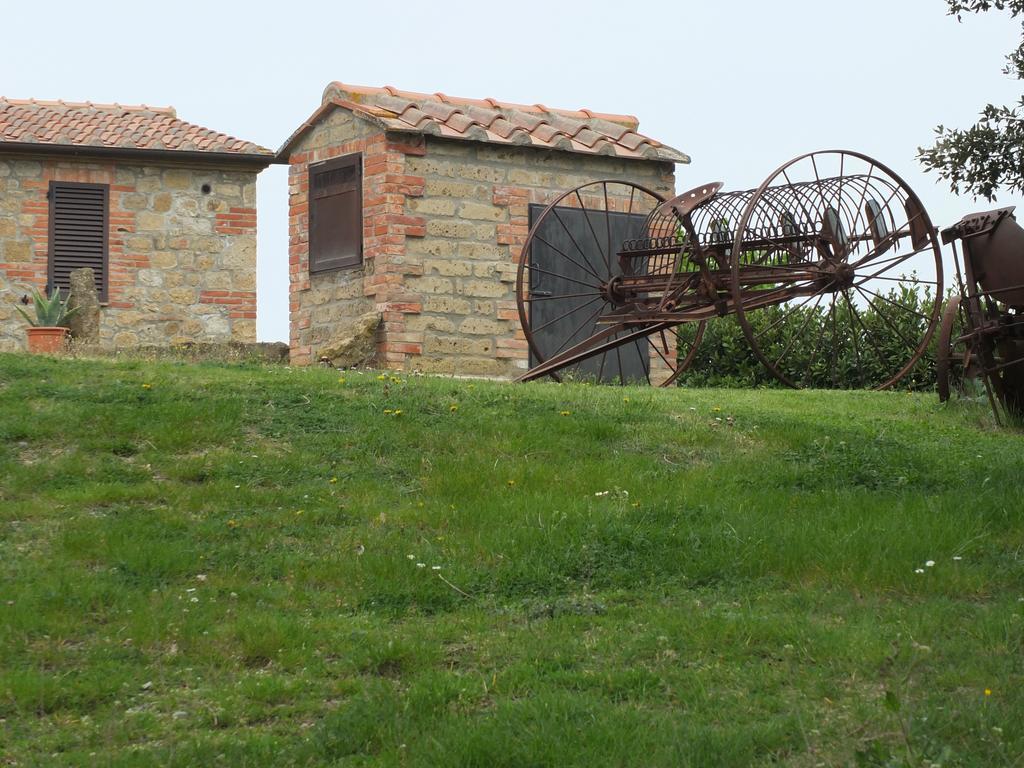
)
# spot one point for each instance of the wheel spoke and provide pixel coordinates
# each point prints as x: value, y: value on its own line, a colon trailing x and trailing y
x: 565, y: 314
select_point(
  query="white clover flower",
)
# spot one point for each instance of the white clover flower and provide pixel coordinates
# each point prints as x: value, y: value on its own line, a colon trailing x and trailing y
x: 957, y: 557
x: 421, y: 565
x: 410, y: 557
x: 919, y: 570
x: 929, y: 564
x: 435, y: 567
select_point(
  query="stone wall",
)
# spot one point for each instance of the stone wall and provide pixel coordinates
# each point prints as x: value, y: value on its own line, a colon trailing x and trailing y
x: 182, y: 261
x: 476, y: 199
x: 444, y: 222
x: 321, y: 303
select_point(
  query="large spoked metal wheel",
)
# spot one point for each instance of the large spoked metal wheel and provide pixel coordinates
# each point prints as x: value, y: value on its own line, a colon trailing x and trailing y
x: 567, y: 265
x: 949, y: 366
x: 836, y: 273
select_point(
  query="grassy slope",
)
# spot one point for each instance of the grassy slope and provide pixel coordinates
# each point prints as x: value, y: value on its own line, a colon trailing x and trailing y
x: 201, y: 561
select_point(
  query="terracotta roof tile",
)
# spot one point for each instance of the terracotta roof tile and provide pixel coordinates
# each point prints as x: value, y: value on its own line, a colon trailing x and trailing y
x: 492, y: 121
x: 112, y: 126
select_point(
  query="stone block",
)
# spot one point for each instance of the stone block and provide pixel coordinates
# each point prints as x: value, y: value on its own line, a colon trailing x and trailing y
x: 457, y: 345
x: 482, y: 212
x: 133, y: 201
x: 447, y: 305
x: 481, y: 326
x: 241, y: 254
x: 16, y: 251
x: 243, y: 329
x: 449, y: 267
x: 164, y: 259
x: 8, y: 227
x: 162, y: 202
x: 435, y: 187
x: 430, y: 323
x: 355, y: 344
x: 227, y: 190
x: 481, y: 251
x: 151, y: 222
x: 432, y: 206
x: 153, y: 278
x: 481, y: 288
x: 183, y: 295
x: 177, y: 178
x: 84, y: 322
x: 27, y: 168
x: 431, y: 285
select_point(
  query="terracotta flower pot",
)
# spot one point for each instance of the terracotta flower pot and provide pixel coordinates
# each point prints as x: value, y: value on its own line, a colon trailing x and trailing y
x: 46, y: 340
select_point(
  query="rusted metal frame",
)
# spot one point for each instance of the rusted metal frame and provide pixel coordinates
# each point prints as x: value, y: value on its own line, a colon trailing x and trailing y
x: 873, y: 339
x: 807, y: 321
x: 567, y: 257
x: 835, y: 345
x: 893, y: 303
x: 639, y: 351
x: 566, y: 357
x: 885, y: 318
x: 896, y: 233
x: 996, y: 290
x: 558, y: 218
x: 591, y: 318
x: 585, y: 349
x: 853, y: 336
x: 810, y: 363
x: 533, y: 299
x: 590, y: 226
x: 562, y: 316
x: 563, y: 277
x: 790, y: 311
x: 607, y: 226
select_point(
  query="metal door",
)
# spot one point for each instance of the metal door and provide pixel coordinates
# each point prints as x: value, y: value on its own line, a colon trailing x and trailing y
x: 556, y: 325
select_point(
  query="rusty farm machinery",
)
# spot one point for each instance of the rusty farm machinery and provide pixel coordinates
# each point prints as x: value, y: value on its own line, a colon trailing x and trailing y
x: 618, y: 284
x: 982, y: 331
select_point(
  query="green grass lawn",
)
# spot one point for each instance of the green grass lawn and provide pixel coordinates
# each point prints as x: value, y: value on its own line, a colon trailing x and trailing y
x: 239, y: 565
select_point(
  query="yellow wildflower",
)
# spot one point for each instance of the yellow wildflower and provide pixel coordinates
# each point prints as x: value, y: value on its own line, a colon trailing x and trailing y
x: 147, y: 386
x: 564, y: 413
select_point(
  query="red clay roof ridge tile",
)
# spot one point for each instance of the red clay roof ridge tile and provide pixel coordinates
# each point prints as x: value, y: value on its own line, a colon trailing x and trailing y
x: 113, y: 126
x: 490, y: 120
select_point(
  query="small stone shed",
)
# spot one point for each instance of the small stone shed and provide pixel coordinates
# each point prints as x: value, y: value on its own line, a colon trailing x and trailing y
x: 163, y: 210
x: 415, y: 206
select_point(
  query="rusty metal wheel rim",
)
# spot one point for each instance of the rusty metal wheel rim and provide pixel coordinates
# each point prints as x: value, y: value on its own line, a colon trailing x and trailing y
x: 595, y: 256
x: 850, y: 275
x: 944, y: 352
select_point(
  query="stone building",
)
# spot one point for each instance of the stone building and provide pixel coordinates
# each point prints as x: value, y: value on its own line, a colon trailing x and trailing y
x: 164, y: 212
x: 424, y: 203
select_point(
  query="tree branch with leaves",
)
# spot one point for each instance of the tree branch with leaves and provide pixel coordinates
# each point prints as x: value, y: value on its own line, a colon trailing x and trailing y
x: 990, y: 154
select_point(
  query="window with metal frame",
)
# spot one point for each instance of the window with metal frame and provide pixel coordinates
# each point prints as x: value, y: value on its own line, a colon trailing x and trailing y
x: 336, y: 214
x: 78, y: 233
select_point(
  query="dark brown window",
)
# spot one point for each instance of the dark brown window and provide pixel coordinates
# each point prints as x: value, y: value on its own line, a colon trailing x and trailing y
x: 79, y: 216
x: 336, y: 214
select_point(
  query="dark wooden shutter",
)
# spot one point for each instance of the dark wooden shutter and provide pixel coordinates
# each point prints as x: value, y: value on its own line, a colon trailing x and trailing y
x: 79, y: 216
x: 336, y: 214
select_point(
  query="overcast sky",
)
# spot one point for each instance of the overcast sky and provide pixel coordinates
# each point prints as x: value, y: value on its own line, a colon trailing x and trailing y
x: 739, y: 85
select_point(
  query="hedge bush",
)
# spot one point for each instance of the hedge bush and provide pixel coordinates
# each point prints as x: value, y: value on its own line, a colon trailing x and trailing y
x: 725, y: 359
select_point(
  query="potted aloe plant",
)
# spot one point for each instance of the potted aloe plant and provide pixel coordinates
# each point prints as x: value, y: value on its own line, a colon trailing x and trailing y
x: 48, y: 332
